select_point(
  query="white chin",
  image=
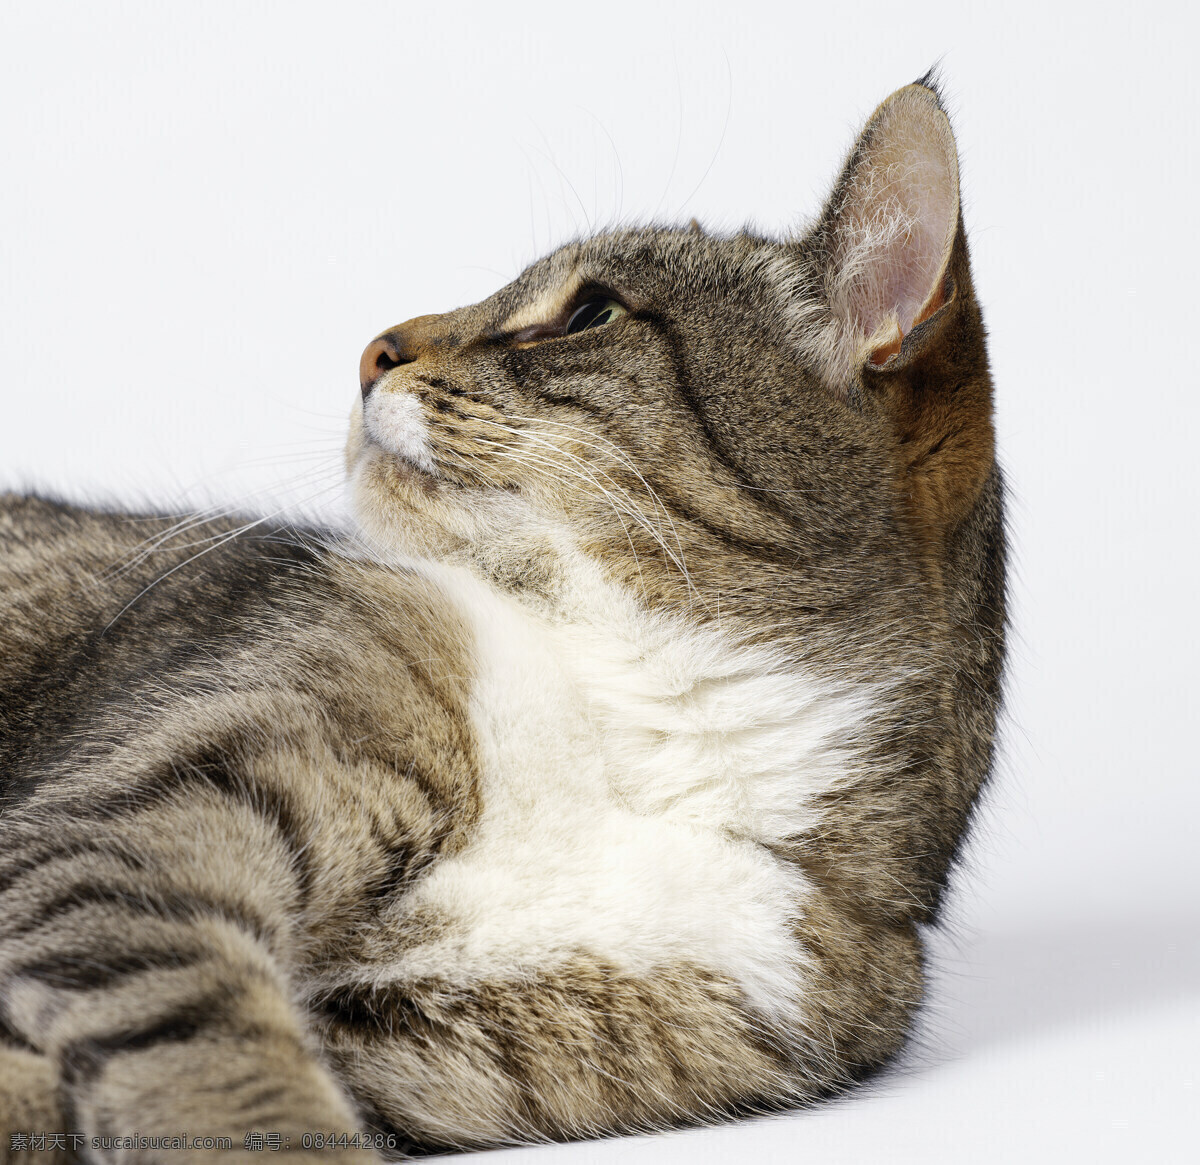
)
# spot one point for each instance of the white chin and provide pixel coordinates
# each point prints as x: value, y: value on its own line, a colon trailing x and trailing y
x: 396, y: 422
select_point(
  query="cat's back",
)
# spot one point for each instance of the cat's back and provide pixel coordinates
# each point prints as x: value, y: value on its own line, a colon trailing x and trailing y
x: 63, y: 565
x: 97, y: 608
x: 47, y: 546
x: 113, y: 626
x: 60, y: 583
x: 80, y: 588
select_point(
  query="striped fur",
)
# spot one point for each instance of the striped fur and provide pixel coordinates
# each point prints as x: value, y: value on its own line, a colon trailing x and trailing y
x: 600, y: 779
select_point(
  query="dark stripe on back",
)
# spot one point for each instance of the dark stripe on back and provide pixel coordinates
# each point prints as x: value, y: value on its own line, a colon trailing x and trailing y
x: 83, y: 1060
x: 71, y: 847
x: 221, y: 766
x: 168, y: 905
x: 88, y: 970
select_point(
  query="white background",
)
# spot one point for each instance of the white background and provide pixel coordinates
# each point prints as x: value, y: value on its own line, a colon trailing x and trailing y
x: 206, y: 210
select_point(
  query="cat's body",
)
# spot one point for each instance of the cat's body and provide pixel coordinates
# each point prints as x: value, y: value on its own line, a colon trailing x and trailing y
x: 600, y: 781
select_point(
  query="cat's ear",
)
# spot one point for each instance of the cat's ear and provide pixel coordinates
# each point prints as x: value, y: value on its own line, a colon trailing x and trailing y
x: 894, y: 323
x: 887, y: 232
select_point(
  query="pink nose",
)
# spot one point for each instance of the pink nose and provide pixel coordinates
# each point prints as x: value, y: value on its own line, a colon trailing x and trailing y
x: 402, y: 344
x: 381, y: 355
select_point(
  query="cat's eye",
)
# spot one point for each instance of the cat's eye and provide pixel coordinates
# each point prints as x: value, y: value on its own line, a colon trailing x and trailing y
x: 594, y: 313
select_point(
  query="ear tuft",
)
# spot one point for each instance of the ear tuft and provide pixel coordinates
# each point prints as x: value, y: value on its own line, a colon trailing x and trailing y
x: 932, y: 80
x: 890, y: 225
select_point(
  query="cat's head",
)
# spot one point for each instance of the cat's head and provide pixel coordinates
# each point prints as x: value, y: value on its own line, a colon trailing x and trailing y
x: 754, y: 422
x: 790, y: 439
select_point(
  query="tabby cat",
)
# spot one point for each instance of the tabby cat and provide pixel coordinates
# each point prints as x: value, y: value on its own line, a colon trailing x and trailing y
x: 600, y: 779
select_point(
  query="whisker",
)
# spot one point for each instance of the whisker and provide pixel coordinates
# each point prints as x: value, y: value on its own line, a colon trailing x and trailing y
x: 191, y: 520
x: 532, y: 461
x: 637, y: 513
x: 624, y: 459
x: 631, y: 508
x: 237, y: 532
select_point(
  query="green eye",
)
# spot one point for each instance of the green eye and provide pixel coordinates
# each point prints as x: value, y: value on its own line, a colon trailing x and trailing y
x: 594, y: 313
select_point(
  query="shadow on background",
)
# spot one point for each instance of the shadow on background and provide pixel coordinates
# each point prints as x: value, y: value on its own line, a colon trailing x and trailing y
x: 1007, y: 985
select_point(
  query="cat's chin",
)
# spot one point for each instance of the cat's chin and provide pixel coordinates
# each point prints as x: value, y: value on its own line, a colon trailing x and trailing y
x: 396, y: 503
x: 504, y: 538
x: 401, y: 473
x: 406, y: 511
x: 364, y: 441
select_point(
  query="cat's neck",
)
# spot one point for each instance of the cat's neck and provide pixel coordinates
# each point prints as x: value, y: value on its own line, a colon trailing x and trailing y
x: 690, y: 716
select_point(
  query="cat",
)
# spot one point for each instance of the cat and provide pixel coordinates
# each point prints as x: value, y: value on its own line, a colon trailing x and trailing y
x: 600, y: 779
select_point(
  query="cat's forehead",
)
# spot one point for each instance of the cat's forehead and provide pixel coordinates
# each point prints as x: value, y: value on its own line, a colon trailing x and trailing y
x: 638, y: 263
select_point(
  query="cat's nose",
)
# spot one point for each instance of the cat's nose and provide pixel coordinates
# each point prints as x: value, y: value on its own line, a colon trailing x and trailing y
x: 381, y: 355
x: 399, y: 345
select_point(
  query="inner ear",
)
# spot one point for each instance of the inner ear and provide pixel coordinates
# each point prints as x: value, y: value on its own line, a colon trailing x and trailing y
x: 891, y: 223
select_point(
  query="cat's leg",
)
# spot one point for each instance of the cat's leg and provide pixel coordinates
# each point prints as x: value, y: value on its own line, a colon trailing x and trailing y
x: 29, y: 1105
x: 145, y: 953
x: 583, y: 1047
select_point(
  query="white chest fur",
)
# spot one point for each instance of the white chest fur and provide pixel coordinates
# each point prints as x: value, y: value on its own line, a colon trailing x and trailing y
x: 634, y: 771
